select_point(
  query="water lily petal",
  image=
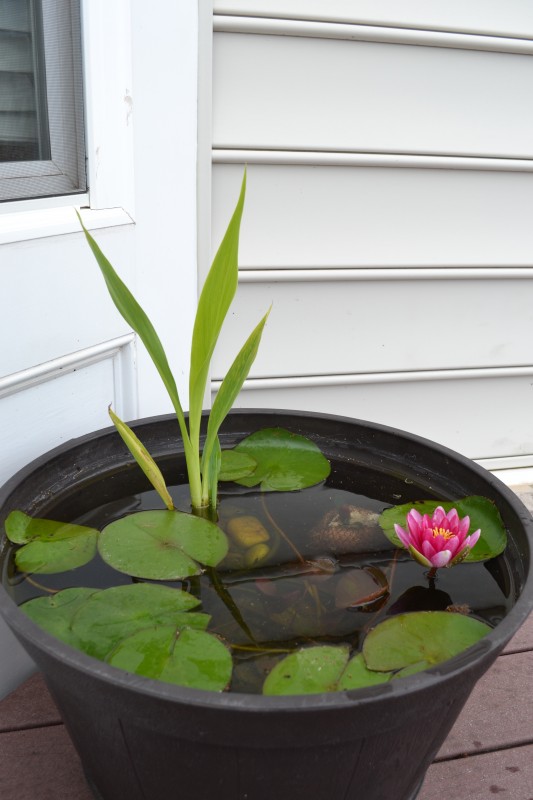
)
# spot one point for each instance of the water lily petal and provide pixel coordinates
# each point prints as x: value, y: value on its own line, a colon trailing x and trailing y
x: 402, y: 535
x: 441, y: 559
x: 438, y: 540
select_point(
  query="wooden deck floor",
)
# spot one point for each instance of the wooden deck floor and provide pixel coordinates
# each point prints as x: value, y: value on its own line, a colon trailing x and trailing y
x: 488, y: 753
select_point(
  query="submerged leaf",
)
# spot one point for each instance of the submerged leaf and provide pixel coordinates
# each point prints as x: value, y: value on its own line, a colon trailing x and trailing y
x: 188, y: 658
x: 162, y: 545
x: 483, y: 515
x: 421, y: 636
x: 49, y: 547
x: 308, y: 671
x: 285, y: 461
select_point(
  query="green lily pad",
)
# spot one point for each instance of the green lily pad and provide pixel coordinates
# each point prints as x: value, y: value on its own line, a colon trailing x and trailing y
x: 55, y: 613
x: 49, y: 547
x: 111, y: 615
x: 235, y: 465
x: 162, y: 545
x: 308, y: 671
x: 187, y: 658
x: 420, y: 637
x: 285, y: 461
x: 482, y: 512
x: 357, y: 675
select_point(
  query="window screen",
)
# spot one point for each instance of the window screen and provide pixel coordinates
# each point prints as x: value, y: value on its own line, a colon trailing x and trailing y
x: 42, y: 148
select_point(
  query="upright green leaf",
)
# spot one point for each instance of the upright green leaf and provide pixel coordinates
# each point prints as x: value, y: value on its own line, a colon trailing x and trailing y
x: 217, y: 293
x: 143, y: 459
x: 136, y: 318
x: 230, y: 388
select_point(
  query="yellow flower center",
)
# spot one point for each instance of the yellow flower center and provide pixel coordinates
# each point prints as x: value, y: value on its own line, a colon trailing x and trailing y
x: 444, y: 532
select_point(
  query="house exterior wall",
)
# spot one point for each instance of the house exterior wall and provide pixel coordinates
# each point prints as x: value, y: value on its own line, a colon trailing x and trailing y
x: 390, y: 190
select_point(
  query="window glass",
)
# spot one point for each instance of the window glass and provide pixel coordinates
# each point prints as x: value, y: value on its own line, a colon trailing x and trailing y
x: 42, y: 143
x: 24, y: 132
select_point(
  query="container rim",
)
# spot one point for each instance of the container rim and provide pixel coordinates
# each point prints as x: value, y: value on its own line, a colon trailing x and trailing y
x: 484, y: 650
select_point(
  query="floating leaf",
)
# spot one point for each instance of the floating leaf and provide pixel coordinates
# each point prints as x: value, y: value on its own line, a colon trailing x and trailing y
x: 309, y: 671
x: 162, y: 545
x: 285, y: 461
x: 187, y: 658
x: 357, y: 675
x: 56, y: 613
x: 235, y: 465
x: 482, y: 512
x: 422, y: 636
x: 49, y: 546
x: 111, y: 615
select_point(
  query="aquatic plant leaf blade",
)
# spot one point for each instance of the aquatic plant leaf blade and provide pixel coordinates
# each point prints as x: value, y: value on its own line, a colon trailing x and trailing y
x: 162, y: 545
x: 429, y: 636
x: 111, y: 615
x: 285, y: 461
x: 137, y: 319
x: 49, y: 546
x: 232, y: 383
x: 55, y: 613
x: 357, y: 675
x: 308, y: 671
x: 190, y: 658
x: 482, y: 512
x: 235, y: 465
x: 143, y: 459
x: 215, y: 299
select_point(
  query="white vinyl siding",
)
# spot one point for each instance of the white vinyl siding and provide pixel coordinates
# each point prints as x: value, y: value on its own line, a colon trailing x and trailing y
x: 388, y: 212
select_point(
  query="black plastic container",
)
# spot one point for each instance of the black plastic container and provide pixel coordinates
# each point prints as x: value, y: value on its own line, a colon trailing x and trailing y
x: 144, y: 740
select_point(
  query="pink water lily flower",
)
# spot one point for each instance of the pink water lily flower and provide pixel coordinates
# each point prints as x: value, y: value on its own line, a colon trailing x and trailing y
x: 437, y: 541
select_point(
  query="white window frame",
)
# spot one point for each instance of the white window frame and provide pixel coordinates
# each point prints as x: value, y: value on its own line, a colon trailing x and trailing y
x: 106, y: 45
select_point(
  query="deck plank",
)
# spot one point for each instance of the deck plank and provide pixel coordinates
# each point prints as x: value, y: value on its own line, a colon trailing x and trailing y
x: 506, y: 773
x: 29, y: 706
x: 498, y: 713
x: 41, y: 764
x: 523, y: 640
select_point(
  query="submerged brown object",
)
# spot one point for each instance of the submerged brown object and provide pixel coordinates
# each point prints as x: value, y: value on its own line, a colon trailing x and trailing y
x: 247, y: 531
x: 349, y: 529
